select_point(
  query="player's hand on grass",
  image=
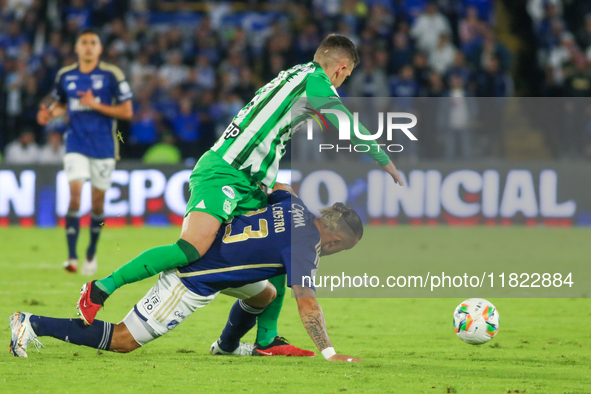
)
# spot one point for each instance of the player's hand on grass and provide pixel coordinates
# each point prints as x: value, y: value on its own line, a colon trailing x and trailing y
x: 87, y: 99
x: 43, y: 116
x: 347, y: 359
x: 391, y: 169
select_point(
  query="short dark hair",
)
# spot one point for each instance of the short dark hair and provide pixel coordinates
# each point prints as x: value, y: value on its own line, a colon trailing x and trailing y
x: 87, y: 31
x: 340, y: 44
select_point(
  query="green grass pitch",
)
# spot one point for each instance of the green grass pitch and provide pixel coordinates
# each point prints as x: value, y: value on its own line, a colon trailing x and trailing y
x: 408, y: 345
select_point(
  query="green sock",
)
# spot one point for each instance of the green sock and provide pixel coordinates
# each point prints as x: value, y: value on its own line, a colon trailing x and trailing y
x: 149, y: 263
x: 267, y: 321
x: 107, y: 285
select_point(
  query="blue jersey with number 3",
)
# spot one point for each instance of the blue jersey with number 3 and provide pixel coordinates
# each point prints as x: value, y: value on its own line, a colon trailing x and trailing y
x: 279, y: 239
x: 92, y: 133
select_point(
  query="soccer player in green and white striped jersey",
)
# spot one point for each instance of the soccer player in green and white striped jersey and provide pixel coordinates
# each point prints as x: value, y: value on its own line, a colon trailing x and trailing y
x: 226, y: 181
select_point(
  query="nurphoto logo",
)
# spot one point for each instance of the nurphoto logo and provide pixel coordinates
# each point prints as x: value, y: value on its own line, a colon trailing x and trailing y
x: 392, y: 124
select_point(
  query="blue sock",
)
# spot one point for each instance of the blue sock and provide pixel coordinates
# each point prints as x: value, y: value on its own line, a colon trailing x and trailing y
x: 98, y: 335
x: 72, y: 231
x: 242, y: 318
x: 95, y: 232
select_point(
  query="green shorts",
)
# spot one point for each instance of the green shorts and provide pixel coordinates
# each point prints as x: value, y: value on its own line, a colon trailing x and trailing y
x: 222, y: 191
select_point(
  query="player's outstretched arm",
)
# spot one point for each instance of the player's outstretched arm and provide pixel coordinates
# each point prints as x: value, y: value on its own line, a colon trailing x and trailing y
x: 313, y: 319
x: 390, y: 168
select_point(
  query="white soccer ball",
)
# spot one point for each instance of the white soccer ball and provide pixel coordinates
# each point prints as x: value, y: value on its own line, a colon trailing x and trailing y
x: 476, y: 321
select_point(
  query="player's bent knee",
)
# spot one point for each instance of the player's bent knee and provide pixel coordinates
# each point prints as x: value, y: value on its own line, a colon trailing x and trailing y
x: 123, y: 341
x: 264, y: 298
x: 200, y: 229
x: 272, y: 293
x: 269, y: 294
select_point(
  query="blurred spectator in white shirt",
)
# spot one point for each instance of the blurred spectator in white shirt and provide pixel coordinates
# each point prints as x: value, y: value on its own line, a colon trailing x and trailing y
x: 537, y: 9
x: 24, y: 150
x: 442, y: 57
x: 429, y: 27
x: 561, y: 55
x: 53, y: 152
x: 140, y: 69
x: 456, y: 115
x: 174, y: 72
x: 19, y: 7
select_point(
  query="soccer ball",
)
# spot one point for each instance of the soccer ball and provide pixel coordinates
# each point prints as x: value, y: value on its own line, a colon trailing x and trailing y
x: 476, y: 321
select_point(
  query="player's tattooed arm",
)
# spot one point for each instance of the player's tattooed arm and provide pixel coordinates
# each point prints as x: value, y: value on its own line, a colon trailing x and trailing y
x: 312, y: 316
x: 313, y: 319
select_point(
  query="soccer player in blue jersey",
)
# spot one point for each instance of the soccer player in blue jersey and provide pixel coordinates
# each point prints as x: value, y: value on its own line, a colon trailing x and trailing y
x: 93, y: 94
x: 284, y: 238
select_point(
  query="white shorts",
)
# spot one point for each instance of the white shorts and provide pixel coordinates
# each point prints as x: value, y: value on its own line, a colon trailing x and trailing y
x: 83, y: 168
x: 169, y: 302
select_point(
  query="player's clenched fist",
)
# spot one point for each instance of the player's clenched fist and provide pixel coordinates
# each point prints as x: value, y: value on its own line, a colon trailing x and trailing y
x: 43, y: 116
x: 342, y: 357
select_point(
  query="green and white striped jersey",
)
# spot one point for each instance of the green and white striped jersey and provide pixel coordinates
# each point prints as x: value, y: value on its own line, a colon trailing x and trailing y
x: 255, y: 141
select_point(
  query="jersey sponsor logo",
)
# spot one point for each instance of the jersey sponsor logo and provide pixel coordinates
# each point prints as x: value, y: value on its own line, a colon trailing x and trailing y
x: 179, y: 314
x: 71, y: 86
x: 97, y: 84
x: 232, y: 131
x: 228, y: 191
x: 74, y: 104
x: 71, y: 77
x: 227, y: 207
x: 172, y: 324
x: 297, y: 212
x: 201, y: 205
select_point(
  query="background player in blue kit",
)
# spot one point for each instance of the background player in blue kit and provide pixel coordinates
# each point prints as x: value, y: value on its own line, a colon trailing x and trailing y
x: 283, y: 238
x: 93, y: 94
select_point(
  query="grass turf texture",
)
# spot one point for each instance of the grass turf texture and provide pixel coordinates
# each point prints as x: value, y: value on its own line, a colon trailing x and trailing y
x: 408, y: 345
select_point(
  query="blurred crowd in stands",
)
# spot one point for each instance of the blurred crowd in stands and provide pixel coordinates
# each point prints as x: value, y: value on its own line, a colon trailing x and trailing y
x: 191, y: 71
x: 563, y: 34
